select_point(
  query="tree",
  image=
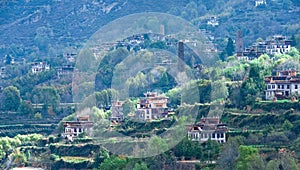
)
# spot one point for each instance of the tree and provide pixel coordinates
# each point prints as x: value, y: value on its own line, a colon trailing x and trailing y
x: 140, y: 166
x: 294, y: 41
x: 12, y: 98
x: 8, y: 59
x: 287, y: 125
x: 174, y: 97
x: 211, y: 150
x: 229, y: 47
x: 86, y: 61
x: 294, y: 52
x: 47, y: 95
x: 249, y: 159
x: 25, y: 108
x: 229, y: 155
x: 157, y: 145
x: 38, y: 115
x: 273, y: 164
x: 19, y: 159
x: 115, y: 163
x: 188, y: 149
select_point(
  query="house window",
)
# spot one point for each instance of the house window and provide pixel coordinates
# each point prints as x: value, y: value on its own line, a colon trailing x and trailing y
x: 273, y: 86
x: 282, y: 86
x: 278, y: 86
x: 296, y: 86
x: 288, y: 86
x: 269, y: 86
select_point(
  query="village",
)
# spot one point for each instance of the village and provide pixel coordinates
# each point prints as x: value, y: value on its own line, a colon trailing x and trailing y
x: 154, y: 106
x: 155, y: 111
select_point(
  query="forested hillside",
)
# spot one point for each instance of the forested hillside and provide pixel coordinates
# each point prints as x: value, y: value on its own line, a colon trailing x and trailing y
x: 48, y: 28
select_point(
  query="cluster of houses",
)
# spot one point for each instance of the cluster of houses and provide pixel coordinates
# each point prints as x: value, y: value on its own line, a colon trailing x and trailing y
x: 278, y: 44
x: 151, y: 107
x: 39, y: 67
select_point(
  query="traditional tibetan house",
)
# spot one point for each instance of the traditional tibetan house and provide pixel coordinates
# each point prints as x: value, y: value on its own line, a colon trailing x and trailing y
x: 152, y: 106
x: 284, y: 84
x: 72, y: 129
x: 208, y: 128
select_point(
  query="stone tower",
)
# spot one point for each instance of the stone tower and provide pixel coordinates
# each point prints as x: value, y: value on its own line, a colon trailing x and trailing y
x: 239, y: 43
x: 180, y: 56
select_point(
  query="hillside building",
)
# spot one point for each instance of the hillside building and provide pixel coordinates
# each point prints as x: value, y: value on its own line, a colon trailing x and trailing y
x: 72, y: 129
x: 213, y: 21
x: 152, y: 106
x: 208, y: 128
x: 116, y: 112
x: 260, y: 2
x: 278, y: 44
x: 39, y: 67
x: 65, y: 71
x: 284, y: 84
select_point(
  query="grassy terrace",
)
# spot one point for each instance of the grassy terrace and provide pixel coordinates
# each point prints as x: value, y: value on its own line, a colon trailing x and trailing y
x: 76, y: 159
x: 279, y: 101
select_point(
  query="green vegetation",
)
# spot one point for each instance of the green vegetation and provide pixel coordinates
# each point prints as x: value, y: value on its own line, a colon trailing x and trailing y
x: 263, y: 134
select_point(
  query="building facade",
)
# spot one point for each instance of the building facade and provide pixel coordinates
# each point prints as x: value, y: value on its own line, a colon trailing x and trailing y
x: 284, y: 84
x: 260, y: 2
x: 65, y: 71
x: 72, y: 129
x: 116, y: 112
x: 39, y: 67
x: 208, y: 128
x: 152, y: 106
x: 278, y: 44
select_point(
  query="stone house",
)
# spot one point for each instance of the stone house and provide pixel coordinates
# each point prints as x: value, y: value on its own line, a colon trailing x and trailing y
x: 152, y: 106
x: 116, y: 112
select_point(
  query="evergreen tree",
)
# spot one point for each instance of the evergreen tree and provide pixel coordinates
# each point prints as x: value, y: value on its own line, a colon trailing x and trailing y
x: 294, y: 41
x: 229, y: 47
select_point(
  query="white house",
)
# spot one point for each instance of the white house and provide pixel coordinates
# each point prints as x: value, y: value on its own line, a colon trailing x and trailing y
x: 72, y: 129
x: 208, y: 128
x: 284, y: 85
x: 260, y: 2
x: 39, y: 67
